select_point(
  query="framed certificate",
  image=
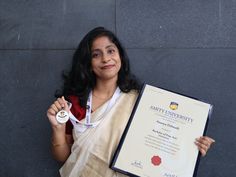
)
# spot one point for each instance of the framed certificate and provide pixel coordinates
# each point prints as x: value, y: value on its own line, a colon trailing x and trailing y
x: 158, y: 140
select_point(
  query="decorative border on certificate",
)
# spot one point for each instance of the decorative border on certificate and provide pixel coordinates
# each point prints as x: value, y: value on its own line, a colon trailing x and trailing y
x: 158, y: 140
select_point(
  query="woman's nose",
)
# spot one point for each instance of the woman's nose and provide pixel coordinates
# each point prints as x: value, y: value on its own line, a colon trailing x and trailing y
x: 106, y: 58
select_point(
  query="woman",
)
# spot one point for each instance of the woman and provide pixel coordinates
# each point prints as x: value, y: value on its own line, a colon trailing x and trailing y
x: 102, y: 92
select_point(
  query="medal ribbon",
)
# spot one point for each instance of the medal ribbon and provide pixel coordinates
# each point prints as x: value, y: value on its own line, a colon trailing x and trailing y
x: 82, y: 126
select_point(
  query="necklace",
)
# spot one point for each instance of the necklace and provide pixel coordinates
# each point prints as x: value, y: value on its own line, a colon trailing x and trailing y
x: 100, y: 97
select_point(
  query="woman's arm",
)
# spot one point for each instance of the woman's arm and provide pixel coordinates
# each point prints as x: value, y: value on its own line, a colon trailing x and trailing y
x: 61, y: 145
x: 61, y: 142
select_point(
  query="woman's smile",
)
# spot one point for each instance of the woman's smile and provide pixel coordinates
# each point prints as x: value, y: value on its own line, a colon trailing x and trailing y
x: 110, y: 66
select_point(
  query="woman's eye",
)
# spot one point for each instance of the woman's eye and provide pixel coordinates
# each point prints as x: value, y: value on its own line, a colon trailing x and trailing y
x: 111, y: 51
x: 95, y: 55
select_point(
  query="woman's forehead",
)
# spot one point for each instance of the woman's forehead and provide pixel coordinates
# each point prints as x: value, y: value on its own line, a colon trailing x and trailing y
x: 102, y: 42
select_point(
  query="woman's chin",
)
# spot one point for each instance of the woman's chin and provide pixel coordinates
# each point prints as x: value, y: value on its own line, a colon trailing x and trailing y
x: 108, y: 76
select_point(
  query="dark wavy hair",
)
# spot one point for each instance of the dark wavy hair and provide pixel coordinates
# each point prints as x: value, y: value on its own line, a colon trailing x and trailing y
x: 80, y: 80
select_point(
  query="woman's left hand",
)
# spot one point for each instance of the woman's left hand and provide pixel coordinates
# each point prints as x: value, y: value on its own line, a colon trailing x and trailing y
x: 204, y: 143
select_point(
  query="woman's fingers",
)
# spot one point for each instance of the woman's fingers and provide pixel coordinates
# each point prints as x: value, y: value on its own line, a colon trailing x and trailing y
x: 206, y: 140
x: 203, y: 152
x: 51, y: 111
x: 203, y: 148
x: 61, y: 102
x: 209, y: 139
x: 204, y: 143
x: 54, y: 107
x: 65, y: 104
x: 57, y: 106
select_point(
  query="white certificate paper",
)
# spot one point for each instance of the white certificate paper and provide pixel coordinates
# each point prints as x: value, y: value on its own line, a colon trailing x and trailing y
x: 159, y: 138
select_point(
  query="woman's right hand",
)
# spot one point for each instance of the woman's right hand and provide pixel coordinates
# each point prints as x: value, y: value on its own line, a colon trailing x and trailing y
x: 58, y: 105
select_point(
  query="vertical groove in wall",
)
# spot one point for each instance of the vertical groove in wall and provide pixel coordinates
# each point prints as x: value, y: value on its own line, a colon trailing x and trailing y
x: 115, y: 18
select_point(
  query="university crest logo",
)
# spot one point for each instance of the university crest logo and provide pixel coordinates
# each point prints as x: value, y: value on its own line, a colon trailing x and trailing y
x: 173, y: 105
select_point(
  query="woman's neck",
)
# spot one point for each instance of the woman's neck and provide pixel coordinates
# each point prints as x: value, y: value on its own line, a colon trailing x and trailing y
x: 105, y: 89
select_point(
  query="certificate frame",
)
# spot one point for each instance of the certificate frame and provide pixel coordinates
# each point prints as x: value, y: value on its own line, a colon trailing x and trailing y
x: 129, y: 131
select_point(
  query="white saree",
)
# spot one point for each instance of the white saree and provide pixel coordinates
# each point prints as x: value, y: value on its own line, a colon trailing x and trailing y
x: 93, y: 149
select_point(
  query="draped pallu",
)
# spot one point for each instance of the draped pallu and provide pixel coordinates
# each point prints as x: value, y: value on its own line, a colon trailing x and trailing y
x: 93, y: 149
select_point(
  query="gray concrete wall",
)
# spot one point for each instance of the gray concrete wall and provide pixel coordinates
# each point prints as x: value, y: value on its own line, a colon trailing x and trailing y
x: 188, y: 46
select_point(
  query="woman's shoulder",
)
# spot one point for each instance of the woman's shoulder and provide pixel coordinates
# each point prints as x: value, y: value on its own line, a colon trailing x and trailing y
x: 76, y: 108
x: 73, y: 98
x: 132, y: 93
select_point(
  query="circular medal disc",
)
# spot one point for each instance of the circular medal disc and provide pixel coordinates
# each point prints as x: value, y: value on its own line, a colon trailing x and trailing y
x: 62, y: 116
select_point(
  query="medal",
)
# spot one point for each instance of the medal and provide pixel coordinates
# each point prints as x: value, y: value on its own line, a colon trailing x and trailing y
x: 62, y: 116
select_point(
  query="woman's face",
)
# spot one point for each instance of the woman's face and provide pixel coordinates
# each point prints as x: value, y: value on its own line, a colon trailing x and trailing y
x: 106, y: 61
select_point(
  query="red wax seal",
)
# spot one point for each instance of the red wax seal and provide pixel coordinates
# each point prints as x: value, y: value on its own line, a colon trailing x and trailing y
x: 156, y: 160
